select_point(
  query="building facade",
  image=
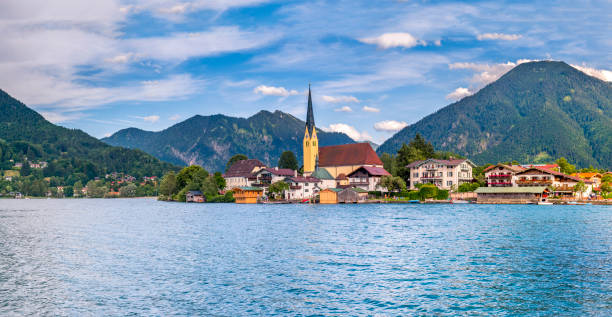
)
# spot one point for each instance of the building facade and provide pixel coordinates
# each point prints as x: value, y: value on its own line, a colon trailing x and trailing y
x: 445, y: 174
x: 241, y: 173
x: 368, y: 178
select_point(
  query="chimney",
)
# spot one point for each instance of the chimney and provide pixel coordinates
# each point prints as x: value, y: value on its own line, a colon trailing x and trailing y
x: 276, y: 168
x: 294, y: 173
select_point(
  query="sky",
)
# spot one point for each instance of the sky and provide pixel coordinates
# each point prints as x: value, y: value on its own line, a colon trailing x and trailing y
x: 374, y: 66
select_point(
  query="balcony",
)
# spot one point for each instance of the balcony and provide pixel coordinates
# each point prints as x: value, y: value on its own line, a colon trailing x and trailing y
x: 534, y: 182
x: 564, y: 188
x: 500, y: 175
x: 499, y: 183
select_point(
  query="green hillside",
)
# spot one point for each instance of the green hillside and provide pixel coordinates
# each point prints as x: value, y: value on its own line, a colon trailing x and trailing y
x: 25, y: 134
x: 210, y: 141
x: 536, y: 112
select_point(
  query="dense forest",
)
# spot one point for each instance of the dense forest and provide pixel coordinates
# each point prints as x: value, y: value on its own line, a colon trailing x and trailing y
x: 535, y: 113
x: 33, y: 150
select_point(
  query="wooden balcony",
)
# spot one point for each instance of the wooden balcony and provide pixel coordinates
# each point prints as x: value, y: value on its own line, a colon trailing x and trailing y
x: 535, y: 182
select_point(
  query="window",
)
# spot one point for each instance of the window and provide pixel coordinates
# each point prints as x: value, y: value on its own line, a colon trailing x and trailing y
x: 449, y: 183
x: 415, y: 174
x: 306, y: 143
x: 306, y: 190
x: 314, y: 143
x: 450, y: 174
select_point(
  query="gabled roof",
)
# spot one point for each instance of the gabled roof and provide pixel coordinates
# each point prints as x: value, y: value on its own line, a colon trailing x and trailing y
x: 243, y: 168
x: 586, y: 175
x: 302, y: 179
x: 510, y: 190
x: 372, y: 170
x: 451, y: 162
x: 553, y: 172
x: 321, y: 173
x: 337, y: 190
x: 546, y: 166
x: 348, y: 154
x: 514, y: 168
x: 195, y: 192
x: 279, y: 171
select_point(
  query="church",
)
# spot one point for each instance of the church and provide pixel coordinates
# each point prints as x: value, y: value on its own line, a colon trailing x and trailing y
x: 340, y: 161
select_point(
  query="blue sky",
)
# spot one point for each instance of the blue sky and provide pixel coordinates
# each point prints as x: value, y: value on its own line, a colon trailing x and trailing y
x: 375, y: 66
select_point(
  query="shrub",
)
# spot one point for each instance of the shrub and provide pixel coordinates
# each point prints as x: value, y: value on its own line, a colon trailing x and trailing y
x: 442, y: 194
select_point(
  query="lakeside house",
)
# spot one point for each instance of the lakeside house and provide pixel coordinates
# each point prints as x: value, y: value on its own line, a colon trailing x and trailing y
x: 352, y: 196
x: 239, y: 173
x: 502, y: 175
x: 445, y: 174
x: 593, y: 177
x: 247, y: 194
x: 302, y: 187
x: 329, y: 195
x: 511, y: 195
x: 562, y: 185
x: 266, y: 176
x: 367, y: 178
x: 195, y: 196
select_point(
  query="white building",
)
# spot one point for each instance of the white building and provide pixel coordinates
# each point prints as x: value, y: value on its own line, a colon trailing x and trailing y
x: 445, y: 174
x: 368, y: 178
x: 301, y: 187
x: 238, y: 174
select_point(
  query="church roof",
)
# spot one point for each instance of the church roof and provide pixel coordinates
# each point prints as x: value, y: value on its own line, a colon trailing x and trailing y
x: 348, y: 154
x: 243, y: 168
x: 310, y: 124
x: 322, y: 173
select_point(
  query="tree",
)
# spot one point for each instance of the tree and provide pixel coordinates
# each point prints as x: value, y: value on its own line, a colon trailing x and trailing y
x: 95, y: 189
x: 220, y: 180
x: 467, y: 187
x: 78, y: 189
x: 288, y: 160
x: 278, y: 188
x: 209, y: 187
x: 606, y: 178
x: 25, y: 169
x: 393, y: 183
x: 189, y: 174
x: 168, y: 187
x: 389, y: 163
x: 234, y: 159
x: 68, y: 191
x: 565, y: 167
x: 128, y: 191
x: 580, y: 188
x: 606, y: 188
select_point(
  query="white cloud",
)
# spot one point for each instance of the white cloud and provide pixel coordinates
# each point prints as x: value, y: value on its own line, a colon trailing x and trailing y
x: 487, y: 73
x: 499, y: 36
x: 344, y: 109
x: 152, y: 118
x: 176, y: 9
x: 390, y: 125
x: 350, y: 131
x: 602, y: 74
x: 274, y: 91
x: 459, y: 93
x: 174, y: 117
x: 370, y: 109
x: 339, y: 99
x: 389, y: 40
x: 60, y: 117
x: 120, y: 59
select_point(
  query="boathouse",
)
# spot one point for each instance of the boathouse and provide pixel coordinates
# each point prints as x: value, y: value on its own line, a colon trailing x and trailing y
x: 247, y: 195
x: 194, y: 196
x: 329, y: 196
x: 511, y: 195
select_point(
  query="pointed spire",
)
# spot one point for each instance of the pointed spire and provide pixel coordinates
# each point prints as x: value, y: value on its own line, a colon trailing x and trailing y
x: 310, y: 124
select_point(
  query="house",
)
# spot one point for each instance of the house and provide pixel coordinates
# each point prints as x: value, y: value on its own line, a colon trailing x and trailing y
x: 445, y: 174
x: 352, y: 195
x: 327, y: 180
x: 329, y: 195
x: 593, y: 177
x: 195, y: 196
x: 346, y: 158
x: 342, y: 181
x: 511, y: 195
x: 266, y: 176
x: 247, y: 195
x: 367, y: 177
x: 302, y: 187
x: 239, y: 173
x: 502, y: 175
x: 562, y: 184
x: 554, y: 167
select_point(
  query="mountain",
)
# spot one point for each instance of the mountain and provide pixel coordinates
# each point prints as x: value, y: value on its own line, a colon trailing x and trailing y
x: 537, y: 112
x: 26, y: 134
x: 210, y: 141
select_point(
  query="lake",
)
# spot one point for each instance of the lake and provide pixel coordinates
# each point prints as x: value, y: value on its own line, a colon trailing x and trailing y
x: 140, y: 256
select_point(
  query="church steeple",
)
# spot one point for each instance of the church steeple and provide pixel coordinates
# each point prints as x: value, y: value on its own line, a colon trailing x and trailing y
x: 310, y: 124
x: 310, y: 143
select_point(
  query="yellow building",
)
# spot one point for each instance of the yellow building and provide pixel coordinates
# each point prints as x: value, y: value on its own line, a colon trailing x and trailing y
x: 329, y: 196
x: 247, y: 195
x: 310, y: 143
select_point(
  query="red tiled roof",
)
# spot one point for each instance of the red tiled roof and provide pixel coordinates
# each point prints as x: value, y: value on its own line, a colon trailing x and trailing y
x: 302, y: 179
x: 516, y: 168
x: 372, y: 170
x: 348, y: 154
x: 546, y: 166
x: 280, y: 171
x: 243, y: 168
x: 553, y: 172
x: 341, y: 176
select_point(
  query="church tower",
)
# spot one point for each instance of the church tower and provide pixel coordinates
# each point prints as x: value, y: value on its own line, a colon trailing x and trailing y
x: 311, y: 143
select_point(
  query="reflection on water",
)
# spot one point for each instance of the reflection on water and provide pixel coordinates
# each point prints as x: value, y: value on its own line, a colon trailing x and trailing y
x: 140, y: 256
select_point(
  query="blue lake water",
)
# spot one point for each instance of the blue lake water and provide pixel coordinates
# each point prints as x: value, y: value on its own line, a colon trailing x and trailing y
x: 140, y: 256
